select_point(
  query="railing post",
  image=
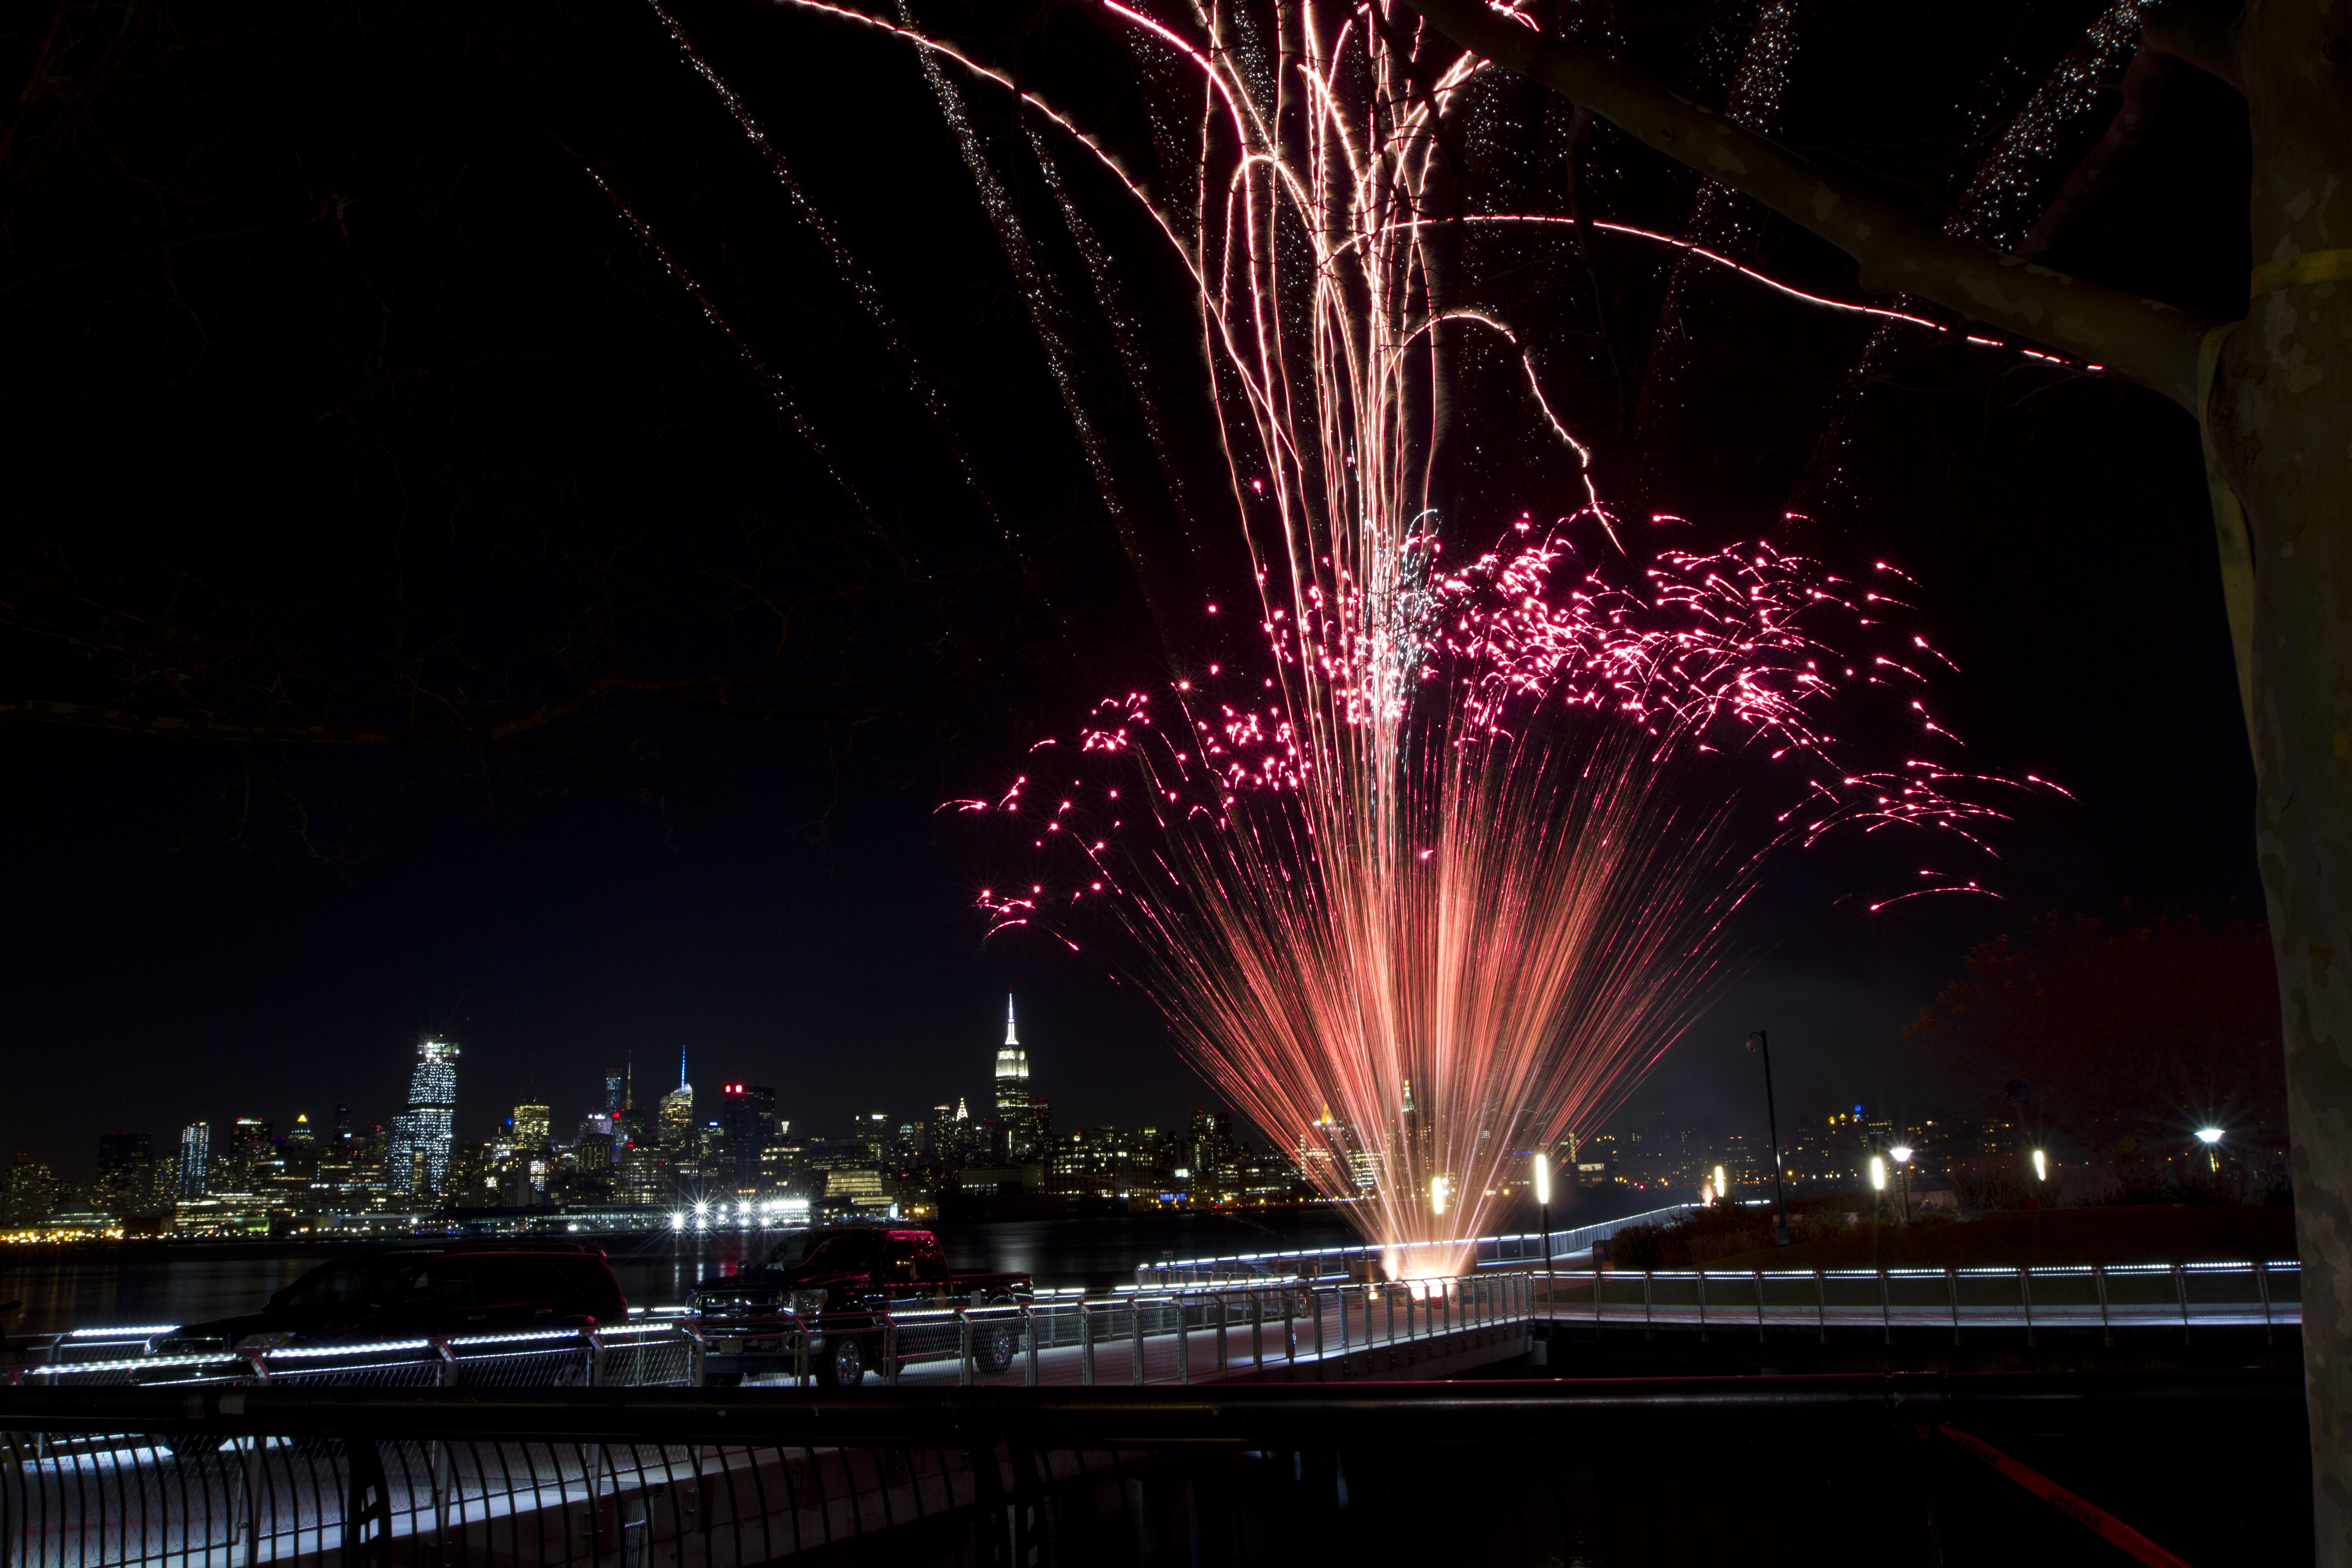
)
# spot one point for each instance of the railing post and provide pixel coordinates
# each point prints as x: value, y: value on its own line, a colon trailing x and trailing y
x: 963, y: 1349
x: 890, y: 1357
x: 1702, y: 1304
x: 1184, y: 1339
x: 2263, y: 1286
x: 2180, y: 1286
x: 1258, y: 1331
x: 250, y: 1507
x: 1290, y: 1326
x: 1315, y: 1305
x: 2107, y: 1325
x: 1821, y: 1304
x: 595, y: 1348
x: 2025, y: 1296
x: 1759, y: 1273
x: 800, y: 1352
x: 1649, y: 1313
x: 1029, y: 1342
x: 1217, y: 1300
x: 1086, y: 1343
x: 1135, y: 1339
x: 1885, y: 1308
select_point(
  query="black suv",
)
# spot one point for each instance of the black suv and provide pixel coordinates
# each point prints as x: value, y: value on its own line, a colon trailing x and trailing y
x: 467, y: 1288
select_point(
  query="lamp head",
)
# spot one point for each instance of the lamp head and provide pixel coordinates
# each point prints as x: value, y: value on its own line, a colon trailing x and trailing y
x: 1902, y: 1152
x: 2209, y: 1135
x: 1543, y: 1180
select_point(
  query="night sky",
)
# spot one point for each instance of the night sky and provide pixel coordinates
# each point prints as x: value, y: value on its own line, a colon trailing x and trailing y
x: 367, y: 377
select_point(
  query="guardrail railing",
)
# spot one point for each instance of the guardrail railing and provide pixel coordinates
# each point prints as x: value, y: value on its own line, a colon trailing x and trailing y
x: 1953, y: 1469
x: 2169, y: 1295
x: 659, y: 1354
x: 1193, y: 1334
x: 1516, y: 1250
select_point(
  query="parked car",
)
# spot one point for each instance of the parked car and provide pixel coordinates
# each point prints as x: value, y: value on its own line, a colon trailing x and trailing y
x: 467, y: 1287
x: 837, y: 1286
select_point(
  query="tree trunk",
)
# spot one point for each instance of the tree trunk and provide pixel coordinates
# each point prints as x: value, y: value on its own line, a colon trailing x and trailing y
x: 2282, y: 422
x: 2281, y: 416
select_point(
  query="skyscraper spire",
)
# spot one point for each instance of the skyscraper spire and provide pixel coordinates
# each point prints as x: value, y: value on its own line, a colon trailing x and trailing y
x: 681, y: 1067
x: 1013, y: 1089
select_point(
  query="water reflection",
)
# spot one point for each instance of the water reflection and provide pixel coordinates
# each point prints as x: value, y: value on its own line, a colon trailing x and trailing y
x: 181, y: 1283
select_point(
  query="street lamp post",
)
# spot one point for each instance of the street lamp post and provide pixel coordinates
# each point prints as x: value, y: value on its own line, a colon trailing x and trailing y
x: 1543, y: 1200
x: 1763, y: 1047
x: 1902, y: 1152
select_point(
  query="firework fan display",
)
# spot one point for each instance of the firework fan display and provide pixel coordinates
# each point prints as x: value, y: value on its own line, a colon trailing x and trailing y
x: 1418, y: 874
x: 1425, y: 894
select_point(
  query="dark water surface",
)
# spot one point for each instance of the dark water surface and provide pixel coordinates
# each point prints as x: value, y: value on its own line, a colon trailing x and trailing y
x: 172, y: 1283
x: 168, y: 1283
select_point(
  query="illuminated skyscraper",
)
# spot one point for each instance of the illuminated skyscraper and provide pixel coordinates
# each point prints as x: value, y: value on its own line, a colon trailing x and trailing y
x: 416, y: 1163
x: 1013, y: 1089
x: 678, y: 1129
x: 531, y: 1123
x: 747, y: 1123
x: 616, y: 1082
x: 196, y: 1159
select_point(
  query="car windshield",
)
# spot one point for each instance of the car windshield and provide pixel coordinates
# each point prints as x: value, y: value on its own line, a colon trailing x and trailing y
x: 793, y: 1251
x: 351, y: 1280
x: 850, y: 1249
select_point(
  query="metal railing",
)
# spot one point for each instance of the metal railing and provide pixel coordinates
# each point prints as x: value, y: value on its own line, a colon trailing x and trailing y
x: 1675, y: 1471
x: 665, y: 1353
x: 1199, y: 1334
x: 1517, y: 1250
x: 2178, y: 1297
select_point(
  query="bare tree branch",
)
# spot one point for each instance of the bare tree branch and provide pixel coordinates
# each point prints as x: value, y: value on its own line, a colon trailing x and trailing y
x: 2146, y: 340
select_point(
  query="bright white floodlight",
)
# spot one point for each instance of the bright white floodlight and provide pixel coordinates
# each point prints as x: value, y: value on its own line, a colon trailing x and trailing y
x: 1877, y: 1174
x: 2040, y: 1167
x: 1543, y: 1180
x: 1902, y: 1152
x: 2209, y: 1135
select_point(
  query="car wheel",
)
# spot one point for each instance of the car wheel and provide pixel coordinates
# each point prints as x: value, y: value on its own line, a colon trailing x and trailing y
x: 996, y: 1340
x: 843, y: 1364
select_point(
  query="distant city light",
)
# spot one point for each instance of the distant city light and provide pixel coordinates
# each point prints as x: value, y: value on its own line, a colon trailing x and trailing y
x: 1722, y: 1187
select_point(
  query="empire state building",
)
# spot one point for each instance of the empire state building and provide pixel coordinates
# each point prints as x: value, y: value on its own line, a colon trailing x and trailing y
x: 1013, y: 1089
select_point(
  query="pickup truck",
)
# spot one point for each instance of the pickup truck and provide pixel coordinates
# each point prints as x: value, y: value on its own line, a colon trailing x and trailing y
x: 837, y: 1286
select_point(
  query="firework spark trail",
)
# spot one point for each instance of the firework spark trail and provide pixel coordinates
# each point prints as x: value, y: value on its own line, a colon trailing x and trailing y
x: 2005, y: 194
x: 1409, y: 990
x: 779, y: 391
x: 1721, y: 220
x: 853, y: 274
x: 1415, y: 890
